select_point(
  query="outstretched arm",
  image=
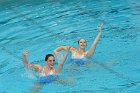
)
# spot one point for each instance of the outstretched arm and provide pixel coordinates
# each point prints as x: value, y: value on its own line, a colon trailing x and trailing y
x: 61, y: 48
x: 93, y: 46
x: 60, y: 65
x: 35, y: 67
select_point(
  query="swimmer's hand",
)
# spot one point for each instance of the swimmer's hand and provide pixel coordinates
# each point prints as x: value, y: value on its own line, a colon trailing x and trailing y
x: 100, y: 27
x: 68, y: 49
x: 25, y: 53
x: 56, y: 54
x: 24, y: 58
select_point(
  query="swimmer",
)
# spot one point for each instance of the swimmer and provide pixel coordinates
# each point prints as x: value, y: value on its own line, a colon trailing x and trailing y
x: 80, y: 53
x: 46, y: 72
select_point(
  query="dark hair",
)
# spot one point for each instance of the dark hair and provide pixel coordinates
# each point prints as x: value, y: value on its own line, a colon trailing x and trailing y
x: 47, y: 56
x: 80, y: 39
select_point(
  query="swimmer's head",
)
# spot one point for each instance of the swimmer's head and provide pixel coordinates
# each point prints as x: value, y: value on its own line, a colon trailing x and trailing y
x: 82, y: 43
x: 50, y: 60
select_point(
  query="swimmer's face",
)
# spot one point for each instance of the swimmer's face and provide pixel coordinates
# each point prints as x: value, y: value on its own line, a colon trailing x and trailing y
x: 50, y: 61
x: 82, y: 43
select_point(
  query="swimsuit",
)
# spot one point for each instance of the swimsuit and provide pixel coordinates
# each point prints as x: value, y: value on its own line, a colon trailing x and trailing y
x: 79, y: 61
x: 43, y: 73
x: 74, y: 56
x: 46, y: 79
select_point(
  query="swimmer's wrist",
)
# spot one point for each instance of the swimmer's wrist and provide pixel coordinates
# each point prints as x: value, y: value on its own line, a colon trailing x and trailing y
x: 23, y: 55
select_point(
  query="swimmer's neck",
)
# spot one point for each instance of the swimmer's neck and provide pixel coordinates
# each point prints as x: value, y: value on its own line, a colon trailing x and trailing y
x: 48, y: 68
x: 80, y: 50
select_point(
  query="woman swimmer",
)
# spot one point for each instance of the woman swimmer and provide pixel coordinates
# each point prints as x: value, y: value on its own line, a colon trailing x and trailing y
x: 49, y: 68
x: 47, y: 72
x: 79, y: 53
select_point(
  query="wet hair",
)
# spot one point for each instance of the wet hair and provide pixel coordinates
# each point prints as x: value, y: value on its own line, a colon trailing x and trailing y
x: 47, y: 56
x: 80, y: 39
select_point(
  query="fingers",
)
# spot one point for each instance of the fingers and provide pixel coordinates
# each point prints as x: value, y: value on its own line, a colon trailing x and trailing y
x: 56, y: 55
x: 100, y: 27
x: 25, y: 52
x: 101, y: 24
x: 69, y: 48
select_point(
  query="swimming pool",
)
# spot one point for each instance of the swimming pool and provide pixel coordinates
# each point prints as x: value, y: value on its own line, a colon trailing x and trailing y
x: 41, y: 26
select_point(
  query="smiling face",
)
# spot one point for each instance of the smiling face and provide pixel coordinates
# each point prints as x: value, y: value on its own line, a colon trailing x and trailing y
x: 82, y: 43
x: 50, y: 61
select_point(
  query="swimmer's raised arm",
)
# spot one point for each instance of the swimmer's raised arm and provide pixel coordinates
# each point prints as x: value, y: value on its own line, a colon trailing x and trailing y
x: 61, y: 48
x: 35, y: 67
x: 60, y: 65
x: 93, y: 46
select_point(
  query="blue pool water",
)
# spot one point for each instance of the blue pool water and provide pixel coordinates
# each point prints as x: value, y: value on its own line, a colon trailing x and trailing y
x: 41, y: 26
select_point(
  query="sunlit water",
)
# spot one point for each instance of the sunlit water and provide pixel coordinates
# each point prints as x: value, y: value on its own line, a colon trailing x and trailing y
x: 41, y: 26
